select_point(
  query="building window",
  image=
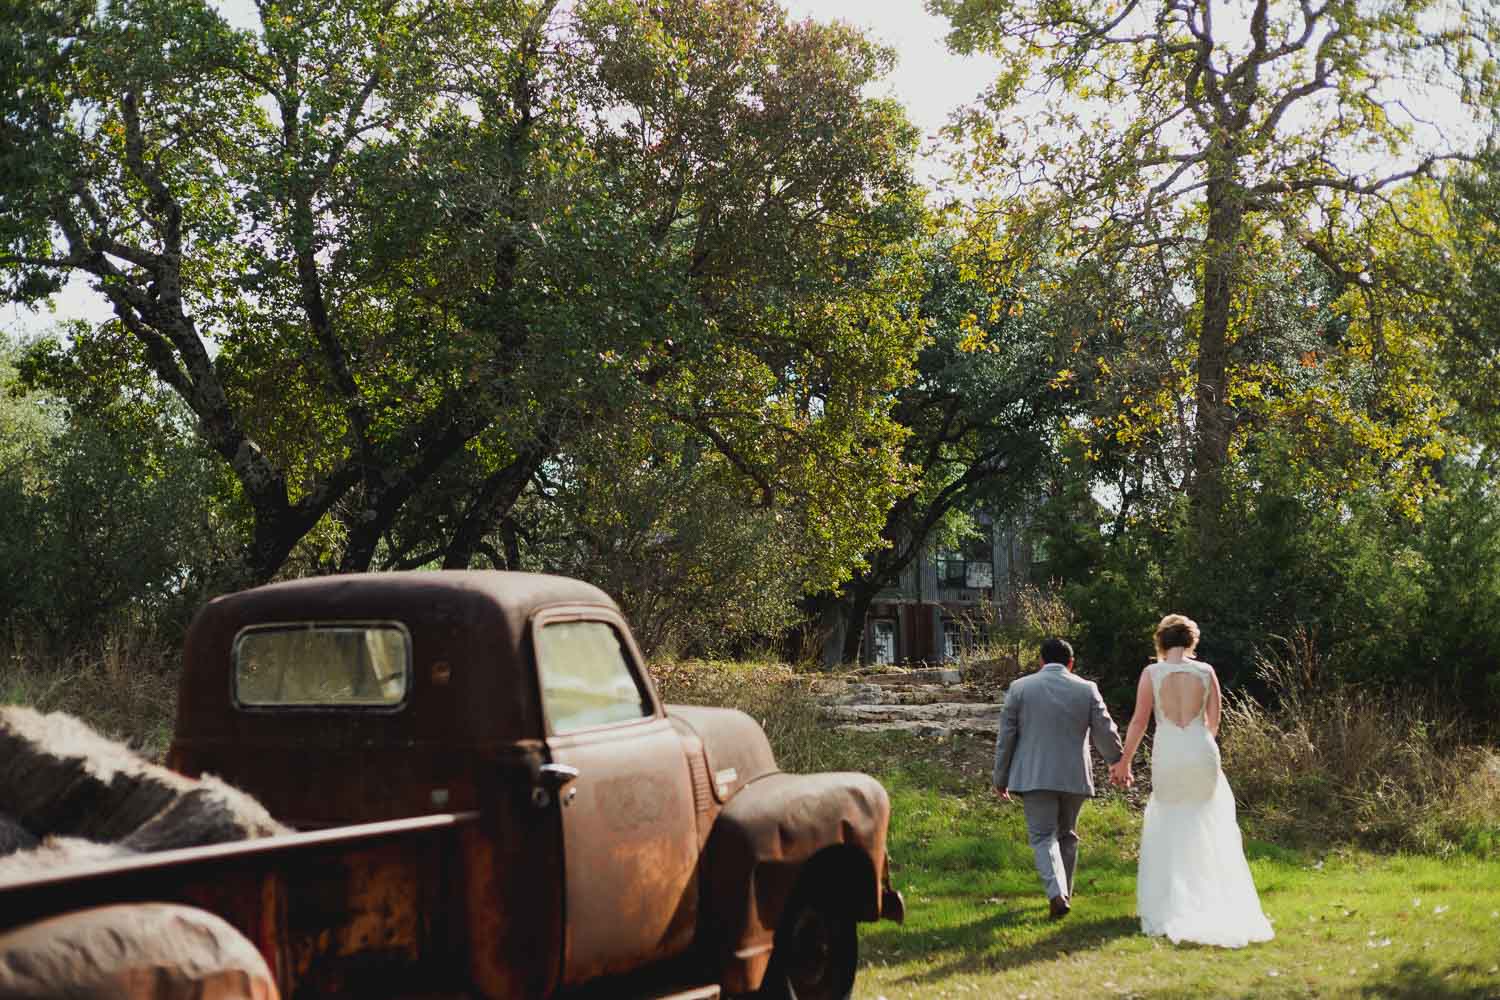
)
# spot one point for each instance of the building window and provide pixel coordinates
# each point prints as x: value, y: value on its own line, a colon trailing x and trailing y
x: 954, y: 644
x: 883, y: 641
x: 973, y: 567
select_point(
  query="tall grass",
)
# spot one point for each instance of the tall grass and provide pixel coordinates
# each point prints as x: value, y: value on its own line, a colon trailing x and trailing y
x: 774, y: 694
x: 122, y: 682
x: 1324, y: 761
x: 1333, y: 761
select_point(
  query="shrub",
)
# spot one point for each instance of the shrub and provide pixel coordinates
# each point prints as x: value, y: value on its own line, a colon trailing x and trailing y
x: 1336, y: 761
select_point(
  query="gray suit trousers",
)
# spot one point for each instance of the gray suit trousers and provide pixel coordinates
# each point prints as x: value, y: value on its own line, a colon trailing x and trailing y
x: 1050, y: 821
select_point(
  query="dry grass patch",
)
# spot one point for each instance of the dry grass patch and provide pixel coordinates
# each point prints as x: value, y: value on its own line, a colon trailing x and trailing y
x: 1339, y: 762
x: 774, y: 694
x: 123, y: 684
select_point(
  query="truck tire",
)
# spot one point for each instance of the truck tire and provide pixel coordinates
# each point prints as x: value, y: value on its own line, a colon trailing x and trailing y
x: 134, y: 951
x: 815, y: 954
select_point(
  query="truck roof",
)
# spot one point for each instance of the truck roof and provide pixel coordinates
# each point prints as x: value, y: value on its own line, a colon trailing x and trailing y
x: 471, y: 682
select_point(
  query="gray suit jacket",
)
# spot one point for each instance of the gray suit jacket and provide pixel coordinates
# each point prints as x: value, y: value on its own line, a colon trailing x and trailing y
x: 1045, y: 727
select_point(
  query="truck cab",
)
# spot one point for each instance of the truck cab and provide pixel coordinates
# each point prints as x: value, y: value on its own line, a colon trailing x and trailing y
x: 603, y: 840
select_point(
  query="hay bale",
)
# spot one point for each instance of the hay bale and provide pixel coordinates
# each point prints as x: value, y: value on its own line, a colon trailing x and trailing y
x: 212, y: 813
x: 58, y: 776
x: 57, y: 852
x: 139, y: 951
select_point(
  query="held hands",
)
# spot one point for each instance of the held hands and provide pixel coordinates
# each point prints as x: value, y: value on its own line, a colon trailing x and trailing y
x: 1119, y: 773
x: 1003, y: 794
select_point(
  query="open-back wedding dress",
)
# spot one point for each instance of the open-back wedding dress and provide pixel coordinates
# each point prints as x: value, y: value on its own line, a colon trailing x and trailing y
x: 1193, y: 883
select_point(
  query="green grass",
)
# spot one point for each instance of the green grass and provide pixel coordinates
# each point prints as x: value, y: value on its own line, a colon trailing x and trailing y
x: 1349, y: 923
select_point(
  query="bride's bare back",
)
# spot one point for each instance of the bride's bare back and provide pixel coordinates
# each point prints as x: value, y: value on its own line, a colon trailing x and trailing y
x: 1182, y: 696
x: 1185, y: 691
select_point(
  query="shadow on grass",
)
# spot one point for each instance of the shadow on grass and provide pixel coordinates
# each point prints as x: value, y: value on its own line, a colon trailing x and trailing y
x: 971, y: 947
x: 1415, y: 979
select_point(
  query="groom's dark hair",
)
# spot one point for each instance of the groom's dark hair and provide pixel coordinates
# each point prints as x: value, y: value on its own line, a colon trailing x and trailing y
x: 1056, y: 651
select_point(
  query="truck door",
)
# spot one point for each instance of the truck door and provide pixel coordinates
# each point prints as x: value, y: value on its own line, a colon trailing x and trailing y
x: 628, y: 819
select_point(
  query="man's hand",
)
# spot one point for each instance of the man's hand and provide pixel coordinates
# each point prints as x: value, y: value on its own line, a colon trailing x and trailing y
x: 1003, y: 793
x: 1119, y: 773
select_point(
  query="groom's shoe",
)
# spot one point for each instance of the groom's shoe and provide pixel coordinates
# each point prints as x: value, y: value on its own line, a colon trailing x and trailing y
x: 1058, y: 907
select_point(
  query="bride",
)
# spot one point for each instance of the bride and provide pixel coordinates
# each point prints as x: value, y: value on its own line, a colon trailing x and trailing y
x: 1193, y: 883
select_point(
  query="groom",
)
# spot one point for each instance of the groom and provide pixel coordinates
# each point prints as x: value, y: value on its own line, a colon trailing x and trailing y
x: 1042, y: 754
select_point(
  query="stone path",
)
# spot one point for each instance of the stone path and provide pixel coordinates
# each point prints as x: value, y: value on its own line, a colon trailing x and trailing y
x: 928, y: 702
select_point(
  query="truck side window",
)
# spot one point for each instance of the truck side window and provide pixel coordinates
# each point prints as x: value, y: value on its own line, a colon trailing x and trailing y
x: 586, y: 681
x: 319, y: 665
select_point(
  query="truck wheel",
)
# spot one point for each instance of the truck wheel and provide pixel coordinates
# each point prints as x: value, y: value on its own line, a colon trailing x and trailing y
x: 815, y: 954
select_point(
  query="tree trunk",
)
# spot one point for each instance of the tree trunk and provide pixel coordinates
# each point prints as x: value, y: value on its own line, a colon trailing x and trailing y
x: 391, y: 493
x: 1214, y: 421
x: 494, y: 500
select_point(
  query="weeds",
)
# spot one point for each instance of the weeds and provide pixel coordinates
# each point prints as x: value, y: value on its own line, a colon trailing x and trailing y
x: 123, y: 683
x: 1336, y: 761
x: 773, y: 694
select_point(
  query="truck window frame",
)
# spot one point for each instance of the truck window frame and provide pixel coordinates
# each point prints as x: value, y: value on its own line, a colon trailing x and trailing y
x: 336, y: 708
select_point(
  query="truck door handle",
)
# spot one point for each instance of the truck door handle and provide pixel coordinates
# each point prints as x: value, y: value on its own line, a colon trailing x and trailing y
x: 549, y: 779
x: 554, y: 776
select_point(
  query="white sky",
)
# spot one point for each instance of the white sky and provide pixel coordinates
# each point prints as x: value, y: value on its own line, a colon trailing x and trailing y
x: 929, y: 80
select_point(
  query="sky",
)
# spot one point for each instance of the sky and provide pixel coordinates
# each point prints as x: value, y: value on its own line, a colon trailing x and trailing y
x: 928, y: 79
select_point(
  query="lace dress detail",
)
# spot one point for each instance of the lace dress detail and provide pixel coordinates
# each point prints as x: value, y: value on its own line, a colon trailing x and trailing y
x: 1193, y: 883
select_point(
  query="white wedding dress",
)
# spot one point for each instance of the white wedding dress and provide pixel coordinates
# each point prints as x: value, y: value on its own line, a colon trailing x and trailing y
x: 1193, y: 883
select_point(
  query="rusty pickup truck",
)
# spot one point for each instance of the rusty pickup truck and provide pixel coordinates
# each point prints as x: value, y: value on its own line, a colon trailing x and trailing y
x: 487, y: 798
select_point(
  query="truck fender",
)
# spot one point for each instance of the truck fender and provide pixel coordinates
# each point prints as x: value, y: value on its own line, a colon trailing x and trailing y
x: 774, y: 832
x: 160, y: 951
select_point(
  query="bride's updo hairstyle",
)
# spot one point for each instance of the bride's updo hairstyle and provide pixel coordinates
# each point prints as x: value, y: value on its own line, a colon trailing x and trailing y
x: 1176, y: 630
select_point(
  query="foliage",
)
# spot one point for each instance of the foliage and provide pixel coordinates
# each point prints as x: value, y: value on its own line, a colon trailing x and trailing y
x: 1209, y: 138
x: 121, y: 680
x: 660, y: 523
x: 977, y: 416
x: 398, y: 256
x: 773, y: 694
x: 108, y: 518
x: 1386, y: 599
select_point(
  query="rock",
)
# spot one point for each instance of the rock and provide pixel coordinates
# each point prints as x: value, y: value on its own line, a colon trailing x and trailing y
x: 939, y: 712
x: 924, y: 727
x: 925, y: 675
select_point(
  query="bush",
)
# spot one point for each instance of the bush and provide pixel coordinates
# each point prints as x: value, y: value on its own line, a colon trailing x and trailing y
x: 1338, y: 761
x: 108, y: 520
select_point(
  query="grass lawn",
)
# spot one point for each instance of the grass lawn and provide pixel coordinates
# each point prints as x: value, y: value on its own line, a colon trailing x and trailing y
x: 1348, y: 923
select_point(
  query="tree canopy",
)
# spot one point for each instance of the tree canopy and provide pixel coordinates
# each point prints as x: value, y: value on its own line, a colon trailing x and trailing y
x: 391, y: 251
x: 1212, y: 133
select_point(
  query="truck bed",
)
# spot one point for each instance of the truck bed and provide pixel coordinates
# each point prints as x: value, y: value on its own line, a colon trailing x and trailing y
x: 333, y: 912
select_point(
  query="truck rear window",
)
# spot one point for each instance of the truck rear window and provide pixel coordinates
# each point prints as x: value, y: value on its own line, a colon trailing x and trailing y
x: 322, y: 665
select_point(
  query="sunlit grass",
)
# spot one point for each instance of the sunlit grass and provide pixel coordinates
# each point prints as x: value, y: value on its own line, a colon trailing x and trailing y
x: 1348, y: 922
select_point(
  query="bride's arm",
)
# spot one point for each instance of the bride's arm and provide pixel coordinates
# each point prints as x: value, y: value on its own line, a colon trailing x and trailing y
x: 1211, y: 711
x: 1140, y: 717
